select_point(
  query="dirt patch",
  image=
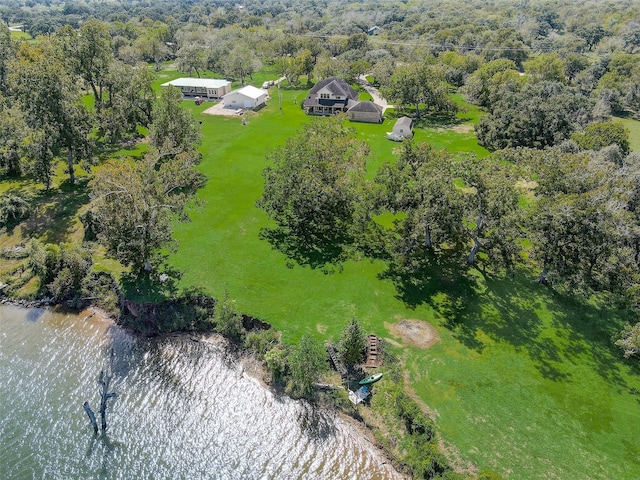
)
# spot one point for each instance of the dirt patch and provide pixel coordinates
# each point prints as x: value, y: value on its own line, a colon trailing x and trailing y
x: 463, y: 128
x: 414, y: 332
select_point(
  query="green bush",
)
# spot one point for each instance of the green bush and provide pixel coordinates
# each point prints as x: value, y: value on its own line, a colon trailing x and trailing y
x: 73, y: 265
x: 13, y: 208
x: 227, y: 320
x: 102, y: 290
x: 261, y: 341
x: 276, y: 361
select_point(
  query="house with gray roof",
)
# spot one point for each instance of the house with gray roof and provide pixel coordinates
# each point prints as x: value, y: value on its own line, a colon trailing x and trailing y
x: 366, y: 111
x: 402, y: 129
x: 333, y: 95
x: 330, y: 96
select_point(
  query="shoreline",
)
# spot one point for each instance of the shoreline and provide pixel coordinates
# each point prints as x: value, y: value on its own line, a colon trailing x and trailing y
x: 250, y: 367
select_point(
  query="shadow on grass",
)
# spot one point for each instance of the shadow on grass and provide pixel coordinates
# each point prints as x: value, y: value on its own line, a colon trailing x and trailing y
x: 55, y: 213
x: 133, y: 147
x: 318, y: 252
x: 553, y: 329
x: 155, y: 286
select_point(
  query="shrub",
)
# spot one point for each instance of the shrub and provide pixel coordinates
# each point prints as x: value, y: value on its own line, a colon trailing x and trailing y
x: 73, y: 266
x: 13, y: 208
x: 261, y: 341
x: 276, y: 361
x: 227, y: 320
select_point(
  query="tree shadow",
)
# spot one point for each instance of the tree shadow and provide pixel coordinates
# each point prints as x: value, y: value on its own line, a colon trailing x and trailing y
x: 155, y: 286
x: 443, y: 282
x: 554, y: 329
x: 315, y: 423
x: 126, y: 148
x: 54, y: 216
x: 317, y: 253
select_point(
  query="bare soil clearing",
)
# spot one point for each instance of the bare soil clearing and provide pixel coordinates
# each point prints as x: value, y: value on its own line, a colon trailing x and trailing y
x: 414, y: 332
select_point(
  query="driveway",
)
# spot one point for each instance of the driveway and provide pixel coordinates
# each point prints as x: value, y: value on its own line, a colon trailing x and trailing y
x: 374, y: 92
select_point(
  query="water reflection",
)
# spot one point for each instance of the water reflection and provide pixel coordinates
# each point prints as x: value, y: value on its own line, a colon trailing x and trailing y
x: 185, y: 409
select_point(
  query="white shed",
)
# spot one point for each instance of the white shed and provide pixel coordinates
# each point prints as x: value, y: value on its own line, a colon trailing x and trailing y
x: 401, y: 130
x: 203, y: 87
x: 245, y: 97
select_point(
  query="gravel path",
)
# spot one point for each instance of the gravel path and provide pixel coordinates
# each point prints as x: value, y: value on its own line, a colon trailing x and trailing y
x: 374, y: 92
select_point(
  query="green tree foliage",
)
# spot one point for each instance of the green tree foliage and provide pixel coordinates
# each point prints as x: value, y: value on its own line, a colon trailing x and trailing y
x: 481, y: 83
x: 12, y: 134
x: 227, y: 320
x: 421, y: 84
x: 88, y: 53
x: 450, y: 205
x: 52, y: 103
x: 491, y: 216
x: 6, y: 54
x: 538, y: 115
x: 629, y: 340
x: 13, y: 208
x: 73, y: 267
x: 191, y: 58
x: 129, y: 103
x: 420, y: 184
x: 240, y: 63
x: 584, y: 227
x: 546, y: 67
x: 39, y: 145
x: 62, y: 269
x: 136, y: 203
x: 173, y: 128
x: 353, y: 343
x: 314, y: 187
x: 276, y: 361
x: 592, y: 34
x: 598, y: 135
x: 307, y: 363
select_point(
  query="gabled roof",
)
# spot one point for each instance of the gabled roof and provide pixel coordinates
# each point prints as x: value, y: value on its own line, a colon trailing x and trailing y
x: 366, y: 106
x: 336, y: 86
x: 249, y: 91
x: 197, y: 82
x: 403, y: 122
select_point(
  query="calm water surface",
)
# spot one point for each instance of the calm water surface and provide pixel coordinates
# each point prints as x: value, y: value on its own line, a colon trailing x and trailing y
x: 185, y: 410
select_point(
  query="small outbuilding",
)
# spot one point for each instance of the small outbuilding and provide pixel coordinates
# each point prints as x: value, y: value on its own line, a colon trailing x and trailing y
x: 365, y: 111
x: 245, y: 97
x: 201, y: 87
x: 401, y: 130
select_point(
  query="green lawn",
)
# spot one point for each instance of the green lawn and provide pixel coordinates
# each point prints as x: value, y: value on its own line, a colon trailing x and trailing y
x: 20, y: 35
x: 634, y: 131
x: 524, y: 381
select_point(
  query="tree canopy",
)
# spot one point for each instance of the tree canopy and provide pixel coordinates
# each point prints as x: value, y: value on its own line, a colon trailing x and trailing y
x: 135, y: 204
x: 314, y: 186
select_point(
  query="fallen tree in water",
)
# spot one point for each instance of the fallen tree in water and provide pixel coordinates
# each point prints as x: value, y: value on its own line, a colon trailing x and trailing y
x: 104, y: 380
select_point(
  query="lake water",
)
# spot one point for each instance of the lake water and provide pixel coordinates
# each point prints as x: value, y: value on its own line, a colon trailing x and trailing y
x: 185, y: 410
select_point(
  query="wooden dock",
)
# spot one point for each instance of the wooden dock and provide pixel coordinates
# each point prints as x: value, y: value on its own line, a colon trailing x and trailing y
x: 374, y: 352
x: 337, y: 363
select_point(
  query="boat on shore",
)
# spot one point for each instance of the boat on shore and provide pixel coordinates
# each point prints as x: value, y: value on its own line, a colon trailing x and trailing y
x: 370, y: 379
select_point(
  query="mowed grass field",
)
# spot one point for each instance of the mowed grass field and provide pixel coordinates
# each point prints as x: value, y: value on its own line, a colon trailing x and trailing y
x: 524, y: 381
